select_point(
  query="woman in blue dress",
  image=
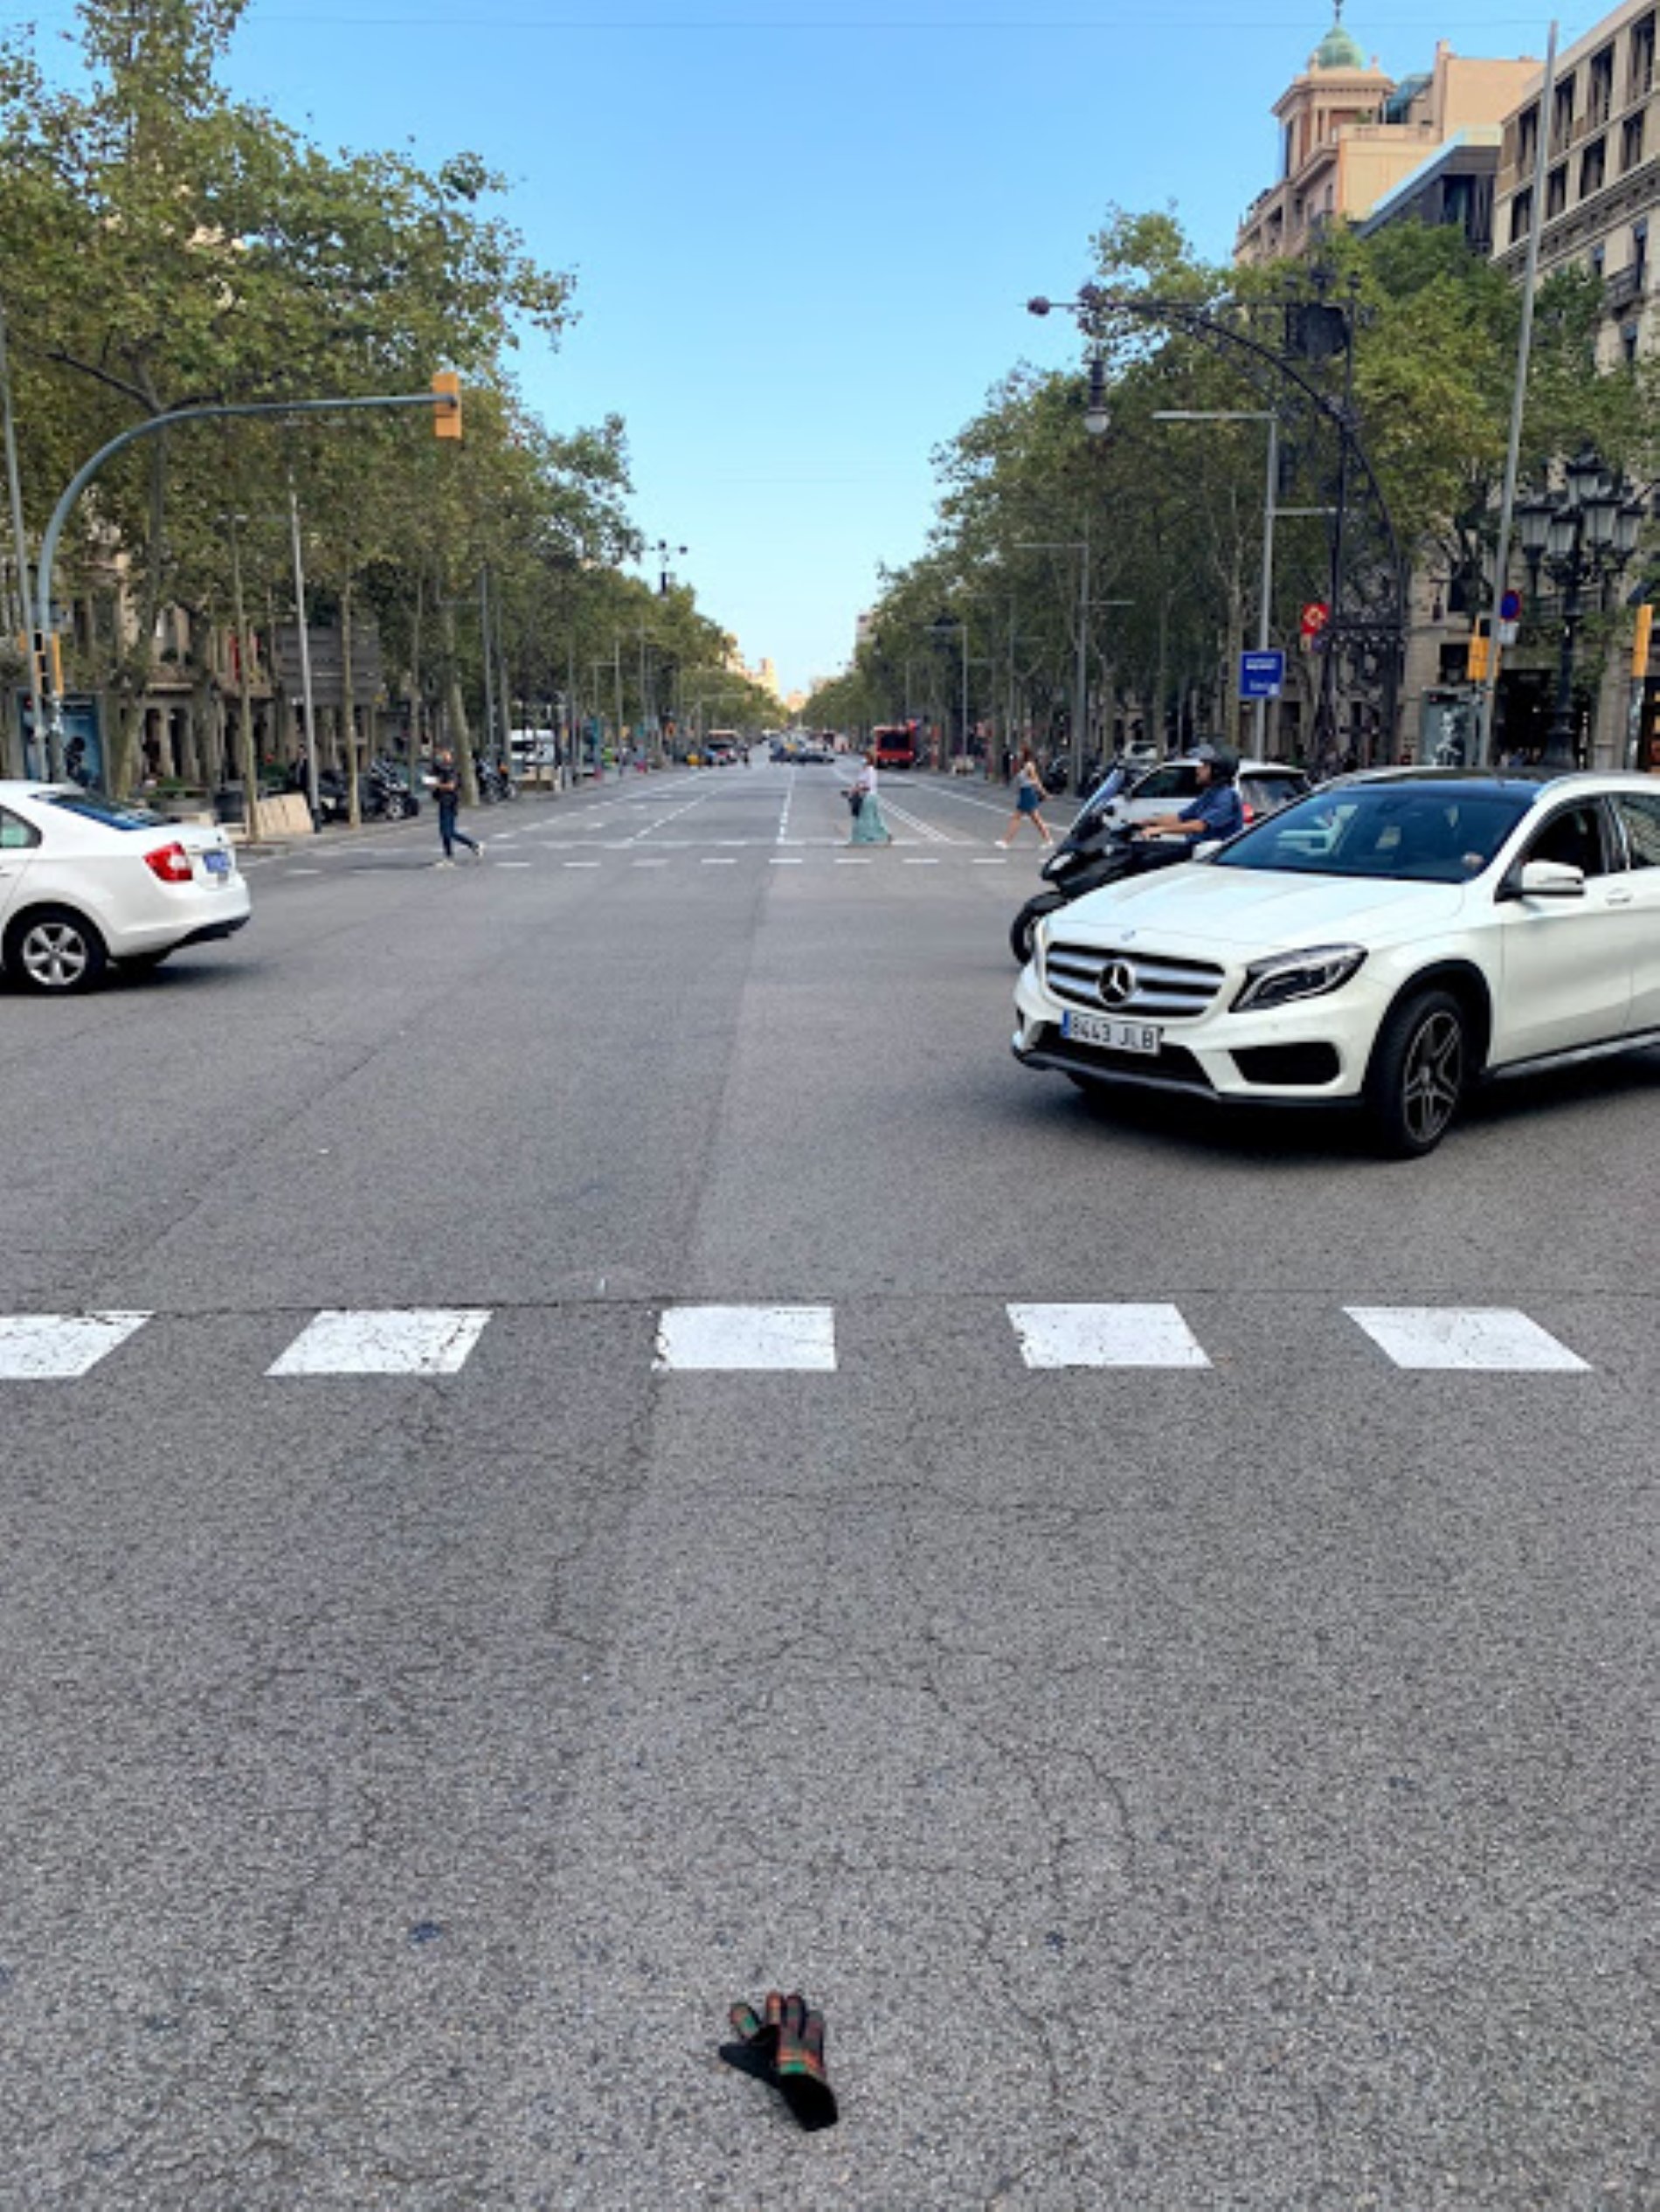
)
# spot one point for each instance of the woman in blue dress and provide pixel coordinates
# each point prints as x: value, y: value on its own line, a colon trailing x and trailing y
x: 868, y: 827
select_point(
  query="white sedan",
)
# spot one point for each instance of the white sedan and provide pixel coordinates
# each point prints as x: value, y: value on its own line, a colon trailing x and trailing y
x: 85, y: 881
x: 1386, y: 942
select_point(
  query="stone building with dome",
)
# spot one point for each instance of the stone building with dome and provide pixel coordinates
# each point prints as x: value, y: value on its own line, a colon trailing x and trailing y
x: 1350, y: 133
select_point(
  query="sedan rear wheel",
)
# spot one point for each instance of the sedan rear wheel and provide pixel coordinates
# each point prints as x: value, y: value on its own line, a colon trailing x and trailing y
x: 55, y: 948
x: 1419, y: 1067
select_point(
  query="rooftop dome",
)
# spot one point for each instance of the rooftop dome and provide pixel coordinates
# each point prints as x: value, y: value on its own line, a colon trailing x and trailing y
x: 1339, y: 49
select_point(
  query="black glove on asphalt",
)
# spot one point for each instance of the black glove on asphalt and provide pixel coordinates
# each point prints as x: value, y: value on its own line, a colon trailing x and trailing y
x: 785, y: 2049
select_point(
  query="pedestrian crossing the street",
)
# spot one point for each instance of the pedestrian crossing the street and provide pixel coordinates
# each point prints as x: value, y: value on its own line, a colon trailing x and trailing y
x: 436, y: 1342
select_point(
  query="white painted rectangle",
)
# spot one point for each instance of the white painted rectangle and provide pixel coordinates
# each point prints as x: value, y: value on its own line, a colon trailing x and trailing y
x: 59, y: 1347
x: 1473, y: 1339
x: 747, y: 1339
x: 421, y: 1341
x: 1105, y: 1336
x: 722, y: 863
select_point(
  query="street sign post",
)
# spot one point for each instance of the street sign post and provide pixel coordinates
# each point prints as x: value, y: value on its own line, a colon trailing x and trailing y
x: 1262, y: 676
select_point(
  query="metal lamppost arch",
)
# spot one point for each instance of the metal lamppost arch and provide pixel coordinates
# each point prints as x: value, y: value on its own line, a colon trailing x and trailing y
x: 1366, y: 589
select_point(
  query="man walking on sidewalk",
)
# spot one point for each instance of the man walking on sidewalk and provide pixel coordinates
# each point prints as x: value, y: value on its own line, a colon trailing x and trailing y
x: 446, y: 794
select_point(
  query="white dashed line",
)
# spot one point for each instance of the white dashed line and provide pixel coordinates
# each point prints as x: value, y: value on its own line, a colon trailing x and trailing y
x: 60, y: 1347
x: 419, y: 1342
x: 1105, y: 1336
x: 1475, y: 1339
x: 747, y: 1339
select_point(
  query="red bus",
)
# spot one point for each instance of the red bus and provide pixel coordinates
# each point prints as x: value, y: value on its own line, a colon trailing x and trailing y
x: 895, y: 744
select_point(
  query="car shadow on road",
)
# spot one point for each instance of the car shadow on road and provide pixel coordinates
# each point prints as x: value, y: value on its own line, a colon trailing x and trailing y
x: 1314, y: 1137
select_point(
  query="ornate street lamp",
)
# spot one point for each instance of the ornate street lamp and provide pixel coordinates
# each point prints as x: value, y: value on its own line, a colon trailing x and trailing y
x: 1581, y: 537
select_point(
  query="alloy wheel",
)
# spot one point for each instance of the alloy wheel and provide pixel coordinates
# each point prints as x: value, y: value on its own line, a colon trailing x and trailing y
x: 55, y: 954
x: 1433, y: 1077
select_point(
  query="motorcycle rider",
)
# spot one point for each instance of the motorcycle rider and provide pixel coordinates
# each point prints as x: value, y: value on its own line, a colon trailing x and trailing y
x: 1218, y: 812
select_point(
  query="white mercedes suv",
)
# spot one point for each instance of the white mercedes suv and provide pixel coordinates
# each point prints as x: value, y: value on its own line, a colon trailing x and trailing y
x: 1385, y: 943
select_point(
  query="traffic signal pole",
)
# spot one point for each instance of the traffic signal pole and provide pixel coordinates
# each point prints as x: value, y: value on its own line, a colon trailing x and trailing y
x: 444, y: 396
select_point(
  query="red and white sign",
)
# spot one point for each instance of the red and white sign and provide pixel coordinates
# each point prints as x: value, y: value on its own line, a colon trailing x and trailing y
x: 1315, y: 615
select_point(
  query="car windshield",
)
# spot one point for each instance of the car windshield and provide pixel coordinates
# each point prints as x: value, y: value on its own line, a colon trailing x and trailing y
x: 93, y: 809
x: 1416, y: 833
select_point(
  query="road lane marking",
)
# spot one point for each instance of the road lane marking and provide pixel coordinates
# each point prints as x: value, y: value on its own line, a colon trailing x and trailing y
x: 914, y: 863
x: 790, y: 863
x: 60, y: 1347
x: 584, y: 863
x: 1473, y: 1339
x: 1105, y: 1336
x: 650, y: 863
x: 747, y: 1340
x: 864, y: 861
x: 423, y: 1341
x: 707, y: 862
x: 511, y: 864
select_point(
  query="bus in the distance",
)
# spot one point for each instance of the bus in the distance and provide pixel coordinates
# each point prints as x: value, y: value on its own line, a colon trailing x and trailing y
x: 895, y: 744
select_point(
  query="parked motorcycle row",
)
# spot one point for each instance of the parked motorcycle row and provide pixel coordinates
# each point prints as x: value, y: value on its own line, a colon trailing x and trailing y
x: 383, y: 792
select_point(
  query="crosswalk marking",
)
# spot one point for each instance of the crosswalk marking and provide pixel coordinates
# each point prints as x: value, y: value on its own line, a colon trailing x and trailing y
x: 60, y: 1347
x: 747, y: 1339
x: 419, y: 1342
x: 1105, y: 1336
x: 1478, y: 1339
x: 1499, y: 1340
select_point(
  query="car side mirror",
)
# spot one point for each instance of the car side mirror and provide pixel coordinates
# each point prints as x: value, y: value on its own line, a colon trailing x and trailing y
x: 1547, y: 880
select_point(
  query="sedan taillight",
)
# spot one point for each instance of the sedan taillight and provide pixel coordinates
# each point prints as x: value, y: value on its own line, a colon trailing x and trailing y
x: 171, y: 863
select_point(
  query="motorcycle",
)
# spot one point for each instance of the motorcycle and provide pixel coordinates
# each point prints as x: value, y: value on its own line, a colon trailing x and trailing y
x: 1095, y: 851
x: 495, y: 783
x: 387, y: 793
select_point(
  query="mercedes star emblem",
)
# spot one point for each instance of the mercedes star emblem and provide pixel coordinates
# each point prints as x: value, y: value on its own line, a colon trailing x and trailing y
x: 1118, y: 984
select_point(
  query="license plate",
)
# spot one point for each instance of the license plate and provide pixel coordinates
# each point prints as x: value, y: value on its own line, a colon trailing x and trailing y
x: 1115, y: 1036
x: 217, y: 863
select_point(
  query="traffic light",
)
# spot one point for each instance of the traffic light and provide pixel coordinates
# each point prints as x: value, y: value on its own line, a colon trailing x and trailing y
x: 1640, y: 643
x: 1480, y: 646
x: 446, y: 415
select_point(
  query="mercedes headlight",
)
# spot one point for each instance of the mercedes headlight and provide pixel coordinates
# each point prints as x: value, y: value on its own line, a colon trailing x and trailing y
x: 1290, y: 976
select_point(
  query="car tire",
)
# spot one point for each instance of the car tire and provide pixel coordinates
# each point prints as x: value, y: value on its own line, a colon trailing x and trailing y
x: 54, y: 949
x: 1418, y: 1073
x: 396, y: 808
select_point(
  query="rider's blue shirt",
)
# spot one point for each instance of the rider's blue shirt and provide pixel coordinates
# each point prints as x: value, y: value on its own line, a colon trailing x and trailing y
x: 1217, y: 812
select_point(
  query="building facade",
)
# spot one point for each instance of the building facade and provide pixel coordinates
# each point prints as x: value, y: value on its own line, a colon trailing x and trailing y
x: 1602, y: 174
x: 1350, y: 135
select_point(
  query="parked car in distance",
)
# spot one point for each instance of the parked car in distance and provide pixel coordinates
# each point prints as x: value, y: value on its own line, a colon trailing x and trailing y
x: 1386, y: 942
x: 85, y: 881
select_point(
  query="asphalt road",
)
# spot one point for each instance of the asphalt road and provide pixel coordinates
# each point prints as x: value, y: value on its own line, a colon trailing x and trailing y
x: 1223, y: 1783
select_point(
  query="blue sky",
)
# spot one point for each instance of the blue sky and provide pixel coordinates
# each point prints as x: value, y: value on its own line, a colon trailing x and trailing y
x: 803, y: 229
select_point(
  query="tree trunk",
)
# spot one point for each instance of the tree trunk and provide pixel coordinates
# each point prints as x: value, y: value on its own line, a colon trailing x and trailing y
x: 348, y: 710
x: 459, y: 735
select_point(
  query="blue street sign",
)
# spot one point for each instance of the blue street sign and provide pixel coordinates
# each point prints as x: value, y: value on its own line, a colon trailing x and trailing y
x: 1262, y: 676
x: 1510, y: 607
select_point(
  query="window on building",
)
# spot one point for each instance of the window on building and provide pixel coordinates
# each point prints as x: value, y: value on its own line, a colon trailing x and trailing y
x: 1642, y: 57
x: 1629, y: 334
x: 1528, y: 137
x: 1639, y: 261
x: 1521, y: 215
x: 1593, y: 167
x: 1562, y: 114
x: 1631, y: 140
x: 1594, y: 260
x: 1600, y: 89
x: 1556, y: 192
